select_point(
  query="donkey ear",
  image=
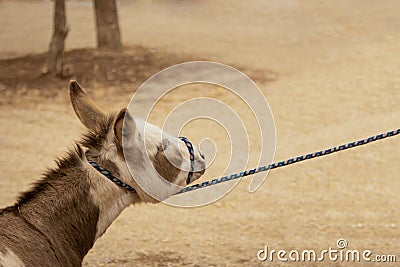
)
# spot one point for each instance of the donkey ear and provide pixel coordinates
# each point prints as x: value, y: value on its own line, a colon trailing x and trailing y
x: 86, y: 110
x: 130, y: 126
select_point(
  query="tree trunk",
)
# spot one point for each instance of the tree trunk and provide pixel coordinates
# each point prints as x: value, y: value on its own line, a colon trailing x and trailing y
x: 55, y: 60
x: 108, y: 35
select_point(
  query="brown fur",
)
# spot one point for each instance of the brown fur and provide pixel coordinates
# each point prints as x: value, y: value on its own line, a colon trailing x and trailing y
x: 86, y: 110
x: 54, y: 223
x: 94, y: 140
x: 164, y: 166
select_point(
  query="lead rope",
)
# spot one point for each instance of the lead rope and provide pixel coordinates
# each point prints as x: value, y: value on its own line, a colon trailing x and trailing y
x: 290, y: 161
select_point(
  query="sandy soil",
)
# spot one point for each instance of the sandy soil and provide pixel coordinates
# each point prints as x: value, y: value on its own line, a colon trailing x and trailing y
x: 332, y: 75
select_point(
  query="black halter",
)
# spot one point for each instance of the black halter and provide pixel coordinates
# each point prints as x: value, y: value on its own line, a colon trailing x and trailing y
x: 113, y: 179
x: 191, y: 152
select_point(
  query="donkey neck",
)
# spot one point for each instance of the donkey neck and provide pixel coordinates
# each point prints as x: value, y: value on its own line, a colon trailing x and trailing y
x: 72, y: 206
x: 109, y: 197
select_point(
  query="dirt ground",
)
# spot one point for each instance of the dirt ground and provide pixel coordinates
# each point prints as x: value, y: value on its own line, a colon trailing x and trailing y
x: 329, y: 69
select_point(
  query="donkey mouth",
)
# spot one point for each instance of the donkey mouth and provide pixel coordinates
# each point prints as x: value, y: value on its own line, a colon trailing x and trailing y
x: 202, y: 161
x: 202, y: 167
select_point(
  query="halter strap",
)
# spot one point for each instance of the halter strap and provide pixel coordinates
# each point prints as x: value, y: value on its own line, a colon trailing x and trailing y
x: 118, y: 182
x: 111, y: 177
x: 191, y: 152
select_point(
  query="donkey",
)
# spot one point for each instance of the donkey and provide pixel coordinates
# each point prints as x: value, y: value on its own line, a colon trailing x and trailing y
x: 56, y: 222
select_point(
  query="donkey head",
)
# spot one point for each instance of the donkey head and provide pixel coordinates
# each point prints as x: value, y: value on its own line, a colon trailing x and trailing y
x: 160, y: 161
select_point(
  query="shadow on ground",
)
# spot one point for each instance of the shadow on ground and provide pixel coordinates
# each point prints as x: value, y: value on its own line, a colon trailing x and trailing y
x: 124, y: 70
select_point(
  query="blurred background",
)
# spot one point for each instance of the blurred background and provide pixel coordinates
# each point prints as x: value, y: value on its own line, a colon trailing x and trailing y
x: 330, y: 71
